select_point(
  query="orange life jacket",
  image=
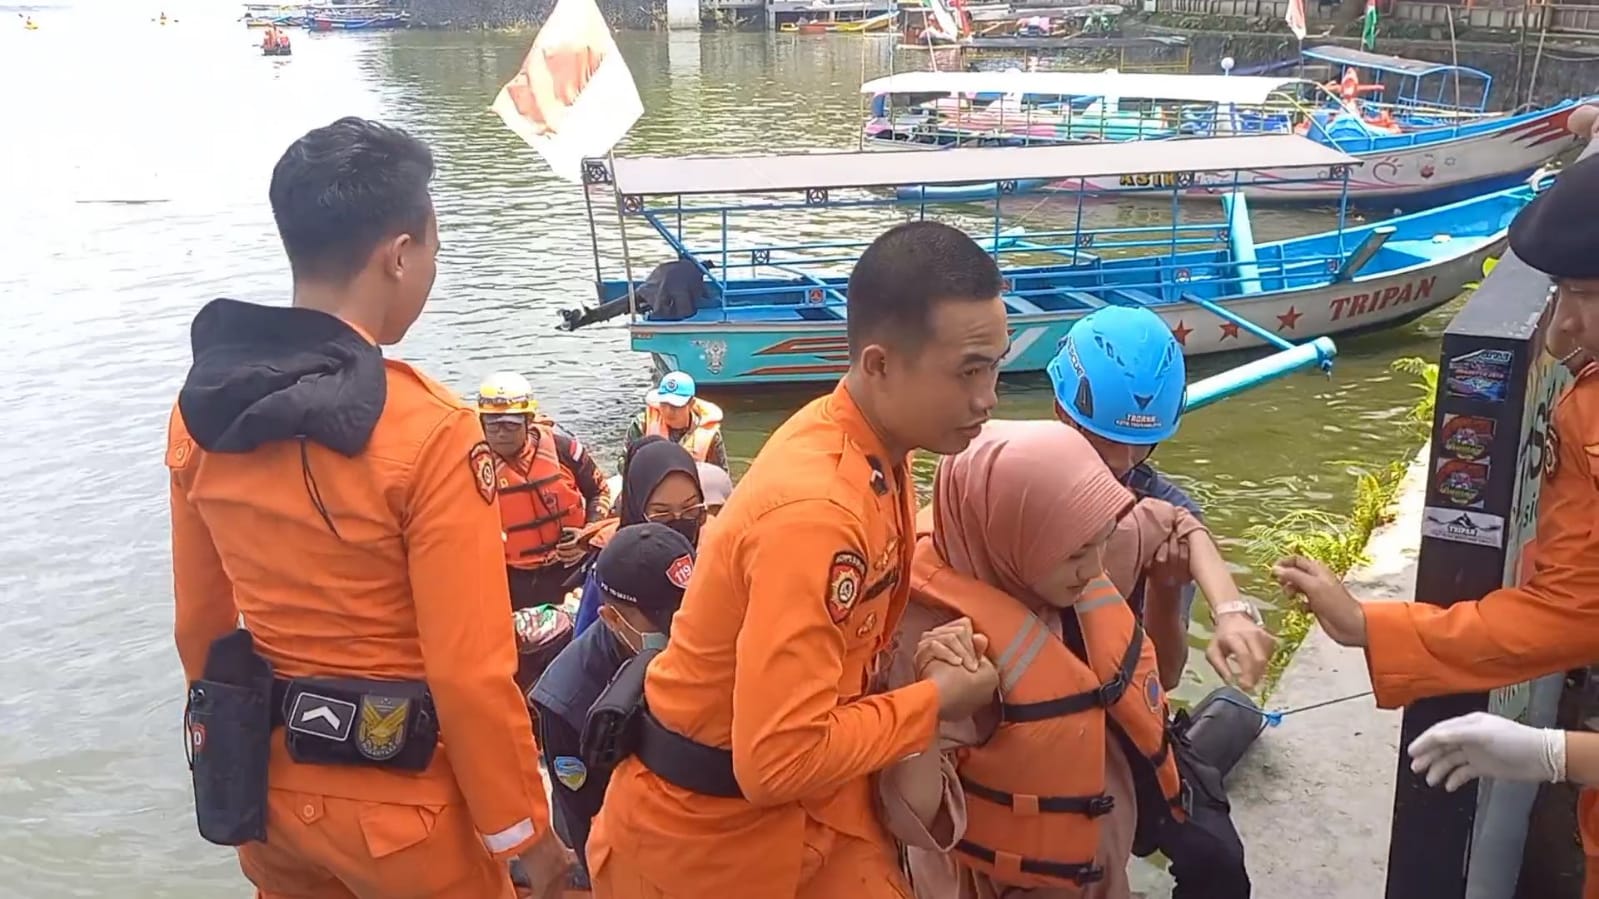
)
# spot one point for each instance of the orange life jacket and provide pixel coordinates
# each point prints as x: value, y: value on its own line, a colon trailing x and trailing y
x: 701, y: 435
x: 536, y: 506
x: 1035, y: 788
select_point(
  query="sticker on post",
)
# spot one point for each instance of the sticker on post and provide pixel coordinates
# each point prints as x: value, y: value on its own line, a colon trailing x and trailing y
x: 1461, y: 526
x: 1468, y: 437
x: 1479, y: 375
x: 1462, y: 483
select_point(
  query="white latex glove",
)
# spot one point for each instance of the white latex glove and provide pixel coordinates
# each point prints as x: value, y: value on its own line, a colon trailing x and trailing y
x: 1459, y: 750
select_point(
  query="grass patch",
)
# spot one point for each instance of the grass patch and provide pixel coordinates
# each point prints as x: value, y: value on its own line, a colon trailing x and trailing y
x: 1339, y: 540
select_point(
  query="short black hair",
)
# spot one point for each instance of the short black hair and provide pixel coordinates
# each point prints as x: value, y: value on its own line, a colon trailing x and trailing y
x: 341, y: 189
x: 907, y: 270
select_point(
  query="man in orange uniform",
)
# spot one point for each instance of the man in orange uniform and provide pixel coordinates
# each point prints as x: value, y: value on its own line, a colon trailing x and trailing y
x: 549, y: 490
x: 1551, y: 623
x: 343, y: 505
x: 752, y: 777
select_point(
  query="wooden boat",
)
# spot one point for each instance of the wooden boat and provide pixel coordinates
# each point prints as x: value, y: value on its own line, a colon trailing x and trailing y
x: 356, y: 17
x: 776, y: 312
x: 874, y: 23
x: 1420, y: 157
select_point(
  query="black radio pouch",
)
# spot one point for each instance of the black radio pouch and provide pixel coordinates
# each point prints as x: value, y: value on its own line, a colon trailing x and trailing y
x: 611, y: 730
x: 345, y: 721
x: 228, y: 726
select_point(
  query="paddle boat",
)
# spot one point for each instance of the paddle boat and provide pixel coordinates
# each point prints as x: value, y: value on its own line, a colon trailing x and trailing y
x: 275, y: 42
x: 1420, y: 155
x: 775, y: 312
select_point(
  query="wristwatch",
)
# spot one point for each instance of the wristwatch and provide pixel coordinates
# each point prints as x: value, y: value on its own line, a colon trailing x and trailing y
x: 1239, y: 605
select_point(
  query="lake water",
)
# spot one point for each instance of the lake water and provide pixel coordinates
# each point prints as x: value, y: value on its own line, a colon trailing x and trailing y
x: 134, y: 161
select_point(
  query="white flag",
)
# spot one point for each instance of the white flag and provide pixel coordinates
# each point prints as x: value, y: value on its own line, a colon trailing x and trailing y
x: 574, y: 96
x: 1295, y: 17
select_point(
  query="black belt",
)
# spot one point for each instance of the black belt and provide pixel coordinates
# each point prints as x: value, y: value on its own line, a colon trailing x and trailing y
x: 684, y: 763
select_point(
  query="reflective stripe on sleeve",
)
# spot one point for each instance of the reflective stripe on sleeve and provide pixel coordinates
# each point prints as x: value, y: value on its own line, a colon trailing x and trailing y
x: 510, y: 836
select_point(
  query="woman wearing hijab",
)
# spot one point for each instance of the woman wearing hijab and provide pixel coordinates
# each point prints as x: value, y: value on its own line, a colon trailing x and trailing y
x: 1048, y: 792
x: 662, y: 485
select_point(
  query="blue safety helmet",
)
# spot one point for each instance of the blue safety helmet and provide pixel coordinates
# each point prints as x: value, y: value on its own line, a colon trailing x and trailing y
x: 1119, y: 374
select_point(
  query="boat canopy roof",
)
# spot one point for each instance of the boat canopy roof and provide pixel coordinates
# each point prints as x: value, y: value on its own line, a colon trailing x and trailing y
x: 674, y: 175
x: 1381, y: 62
x: 1139, y: 85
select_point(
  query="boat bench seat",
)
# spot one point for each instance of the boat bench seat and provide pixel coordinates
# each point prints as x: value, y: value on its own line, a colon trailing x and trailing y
x: 1086, y: 300
x: 818, y: 314
x: 1132, y: 296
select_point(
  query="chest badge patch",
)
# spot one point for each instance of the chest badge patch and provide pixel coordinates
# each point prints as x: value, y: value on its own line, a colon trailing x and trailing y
x: 481, y: 462
x: 844, y: 579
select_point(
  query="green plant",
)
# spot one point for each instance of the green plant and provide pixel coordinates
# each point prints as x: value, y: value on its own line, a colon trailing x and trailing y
x: 1426, y: 374
x: 1337, y: 541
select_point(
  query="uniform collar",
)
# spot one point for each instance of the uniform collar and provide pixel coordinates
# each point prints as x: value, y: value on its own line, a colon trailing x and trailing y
x: 841, y: 406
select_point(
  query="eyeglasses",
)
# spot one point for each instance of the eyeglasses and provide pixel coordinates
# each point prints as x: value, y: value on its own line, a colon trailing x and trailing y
x: 692, y: 513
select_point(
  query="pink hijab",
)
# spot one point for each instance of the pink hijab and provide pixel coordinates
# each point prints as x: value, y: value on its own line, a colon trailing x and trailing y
x: 1020, y: 500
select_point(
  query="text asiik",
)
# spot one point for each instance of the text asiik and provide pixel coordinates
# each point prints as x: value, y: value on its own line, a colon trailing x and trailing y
x: 1376, y: 300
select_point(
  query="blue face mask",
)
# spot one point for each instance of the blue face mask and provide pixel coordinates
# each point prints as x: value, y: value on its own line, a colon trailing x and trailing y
x: 644, y: 641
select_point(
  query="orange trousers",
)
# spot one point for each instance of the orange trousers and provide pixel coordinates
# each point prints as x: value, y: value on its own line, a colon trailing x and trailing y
x: 836, y: 866
x: 324, y: 847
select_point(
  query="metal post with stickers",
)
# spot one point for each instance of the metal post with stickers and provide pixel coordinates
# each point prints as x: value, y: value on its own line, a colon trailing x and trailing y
x: 1496, y: 390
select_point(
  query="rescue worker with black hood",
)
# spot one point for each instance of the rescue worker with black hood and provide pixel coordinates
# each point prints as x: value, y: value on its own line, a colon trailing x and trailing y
x: 360, y: 735
x: 641, y: 575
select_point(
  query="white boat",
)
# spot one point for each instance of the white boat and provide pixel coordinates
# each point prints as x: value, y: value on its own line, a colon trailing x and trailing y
x: 1407, y: 163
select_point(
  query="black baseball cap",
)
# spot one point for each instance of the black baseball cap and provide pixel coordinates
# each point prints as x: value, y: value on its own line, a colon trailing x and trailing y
x: 646, y: 565
x: 1557, y: 233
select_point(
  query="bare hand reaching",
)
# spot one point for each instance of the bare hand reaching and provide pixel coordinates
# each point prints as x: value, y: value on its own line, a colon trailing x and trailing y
x: 1340, y: 614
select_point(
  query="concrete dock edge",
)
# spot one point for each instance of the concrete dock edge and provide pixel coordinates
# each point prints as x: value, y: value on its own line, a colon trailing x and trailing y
x: 1313, y: 799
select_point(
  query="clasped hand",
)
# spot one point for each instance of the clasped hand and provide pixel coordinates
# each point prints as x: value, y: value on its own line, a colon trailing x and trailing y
x: 952, y: 657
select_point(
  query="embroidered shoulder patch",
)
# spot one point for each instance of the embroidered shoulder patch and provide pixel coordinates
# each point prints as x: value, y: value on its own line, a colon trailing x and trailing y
x: 844, y: 578
x: 571, y: 772
x: 481, y: 461
x: 681, y: 569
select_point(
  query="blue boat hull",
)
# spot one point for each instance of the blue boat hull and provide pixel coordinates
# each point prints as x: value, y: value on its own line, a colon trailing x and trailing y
x: 791, y: 329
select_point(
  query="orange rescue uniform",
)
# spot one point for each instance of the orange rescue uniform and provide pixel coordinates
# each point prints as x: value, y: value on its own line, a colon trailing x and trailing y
x: 410, y: 587
x: 1548, y: 624
x: 795, y: 596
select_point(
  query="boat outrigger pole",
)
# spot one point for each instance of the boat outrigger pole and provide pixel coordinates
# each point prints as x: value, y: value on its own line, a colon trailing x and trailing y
x: 1253, y: 374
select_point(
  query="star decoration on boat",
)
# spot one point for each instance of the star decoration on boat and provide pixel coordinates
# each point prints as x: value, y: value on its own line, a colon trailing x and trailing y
x: 1289, y: 319
x: 1229, y: 329
x: 1181, y: 332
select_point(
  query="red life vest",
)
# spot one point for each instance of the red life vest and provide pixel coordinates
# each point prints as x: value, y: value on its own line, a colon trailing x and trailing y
x: 536, y: 506
x: 1035, y: 789
x: 701, y: 436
